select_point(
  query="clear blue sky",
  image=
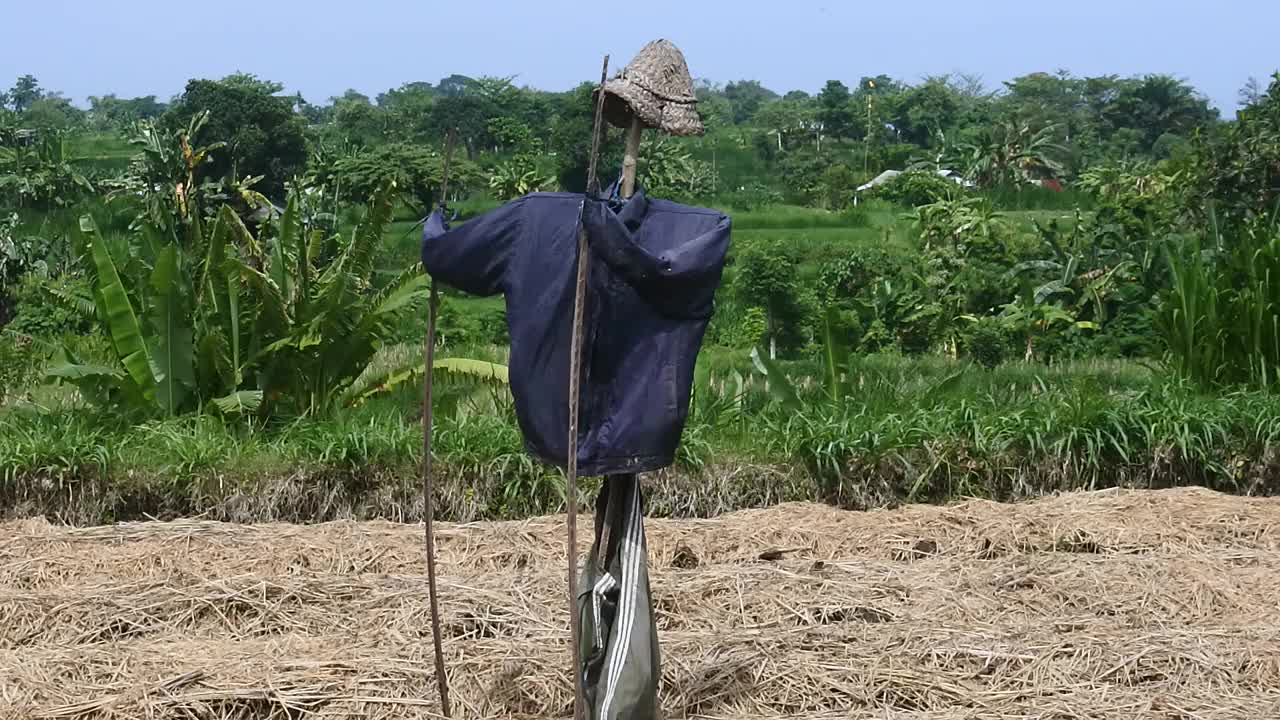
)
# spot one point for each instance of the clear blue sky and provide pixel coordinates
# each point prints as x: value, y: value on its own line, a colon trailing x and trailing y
x: 322, y: 47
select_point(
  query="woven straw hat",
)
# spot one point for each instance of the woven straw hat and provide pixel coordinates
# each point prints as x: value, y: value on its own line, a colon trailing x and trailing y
x: 657, y: 88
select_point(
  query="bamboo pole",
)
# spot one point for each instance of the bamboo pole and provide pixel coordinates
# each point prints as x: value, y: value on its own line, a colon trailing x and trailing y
x: 428, y: 505
x: 631, y: 157
x: 575, y: 386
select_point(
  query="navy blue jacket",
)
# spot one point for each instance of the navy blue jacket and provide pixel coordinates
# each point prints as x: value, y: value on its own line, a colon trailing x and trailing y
x: 655, y: 267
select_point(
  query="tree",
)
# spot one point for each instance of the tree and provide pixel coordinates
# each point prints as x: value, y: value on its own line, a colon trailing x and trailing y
x: 873, y: 105
x: 252, y: 83
x: 408, y: 109
x: 40, y: 173
x: 571, y: 140
x: 53, y: 111
x: 746, y: 97
x: 453, y: 85
x: 264, y: 136
x: 801, y: 172
x: 714, y: 108
x: 1252, y: 92
x: 408, y: 90
x: 1041, y: 99
x: 925, y: 112
x: 24, y: 93
x: 1010, y: 153
x: 1156, y: 105
x: 519, y: 176
x: 164, y: 174
x: 838, y: 186
x: 766, y: 277
x: 358, y: 120
x: 234, y: 324
x: 789, y: 120
x: 1237, y: 171
x: 416, y: 171
x: 467, y: 113
x: 667, y: 170
x: 109, y: 111
x: 836, y: 109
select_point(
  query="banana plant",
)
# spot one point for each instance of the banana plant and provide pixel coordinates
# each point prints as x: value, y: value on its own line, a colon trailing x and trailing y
x: 1069, y: 281
x: 463, y: 386
x: 151, y: 333
x: 285, y: 322
x: 838, y: 371
x: 320, y: 320
x: 1034, y: 316
x: 519, y: 176
x: 836, y: 363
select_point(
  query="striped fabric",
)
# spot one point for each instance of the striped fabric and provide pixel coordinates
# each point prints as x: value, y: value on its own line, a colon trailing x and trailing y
x: 619, y: 639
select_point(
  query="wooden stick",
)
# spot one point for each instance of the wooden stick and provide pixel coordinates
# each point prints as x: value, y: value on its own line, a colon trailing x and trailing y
x: 631, y: 157
x: 428, y: 506
x: 575, y: 382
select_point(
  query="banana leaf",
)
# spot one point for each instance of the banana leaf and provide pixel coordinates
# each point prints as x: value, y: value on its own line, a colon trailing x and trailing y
x: 173, y: 349
x: 280, y: 270
x: 403, y: 363
x: 117, y: 311
x: 835, y: 357
x: 70, y: 371
x: 244, y: 402
x: 780, y: 386
x: 96, y: 383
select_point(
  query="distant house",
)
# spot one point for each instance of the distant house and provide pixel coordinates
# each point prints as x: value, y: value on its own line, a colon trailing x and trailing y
x: 888, y: 175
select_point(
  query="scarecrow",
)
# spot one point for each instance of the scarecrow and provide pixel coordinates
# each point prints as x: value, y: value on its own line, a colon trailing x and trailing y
x: 608, y: 296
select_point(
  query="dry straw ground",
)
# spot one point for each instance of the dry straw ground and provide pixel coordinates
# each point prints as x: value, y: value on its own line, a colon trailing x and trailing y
x: 1102, y: 605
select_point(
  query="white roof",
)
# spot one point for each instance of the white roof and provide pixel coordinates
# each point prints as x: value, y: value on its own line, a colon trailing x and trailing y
x: 888, y: 175
x: 880, y: 179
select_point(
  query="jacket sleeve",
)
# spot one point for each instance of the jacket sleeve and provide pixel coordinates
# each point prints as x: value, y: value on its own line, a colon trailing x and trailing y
x: 472, y: 257
x: 682, y: 281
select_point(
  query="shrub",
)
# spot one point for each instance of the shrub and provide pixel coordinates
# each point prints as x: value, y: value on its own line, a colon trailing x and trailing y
x: 766, y: 277
x: 466, y: 323
x: 837, y: 187
x: 753, y: 197
x: 50, y: 307
x: 848, y: 277
x: 415, y: 170
x: 988, y: 342
x: 19, y: 363
x: 917, y: 188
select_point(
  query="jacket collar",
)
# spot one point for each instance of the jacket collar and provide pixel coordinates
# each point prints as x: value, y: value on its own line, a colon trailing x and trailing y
x: 631, y: 212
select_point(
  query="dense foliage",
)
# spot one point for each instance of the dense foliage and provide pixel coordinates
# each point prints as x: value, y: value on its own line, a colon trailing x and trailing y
x: 264, y: 136
x: 242, y: 256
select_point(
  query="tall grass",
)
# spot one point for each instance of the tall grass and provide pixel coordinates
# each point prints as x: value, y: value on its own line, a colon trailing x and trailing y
x: 1221, y: 317
x: 785, y: 217
x: 1038, y: 198
x: 104, y: 152
x: 908, y: 430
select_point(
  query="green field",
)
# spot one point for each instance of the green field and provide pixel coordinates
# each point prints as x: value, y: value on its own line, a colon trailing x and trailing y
x: 1086, y: 299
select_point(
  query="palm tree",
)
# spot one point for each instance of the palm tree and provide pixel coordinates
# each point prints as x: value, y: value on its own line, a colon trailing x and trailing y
x: 1011, y: 152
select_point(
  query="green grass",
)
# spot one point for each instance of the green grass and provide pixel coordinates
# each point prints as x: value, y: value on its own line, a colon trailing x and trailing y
x: 105, y: 152
x: 910, y: 429
x: 1035, y: 198
x: 817, y: 235
x: 926, y: 429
